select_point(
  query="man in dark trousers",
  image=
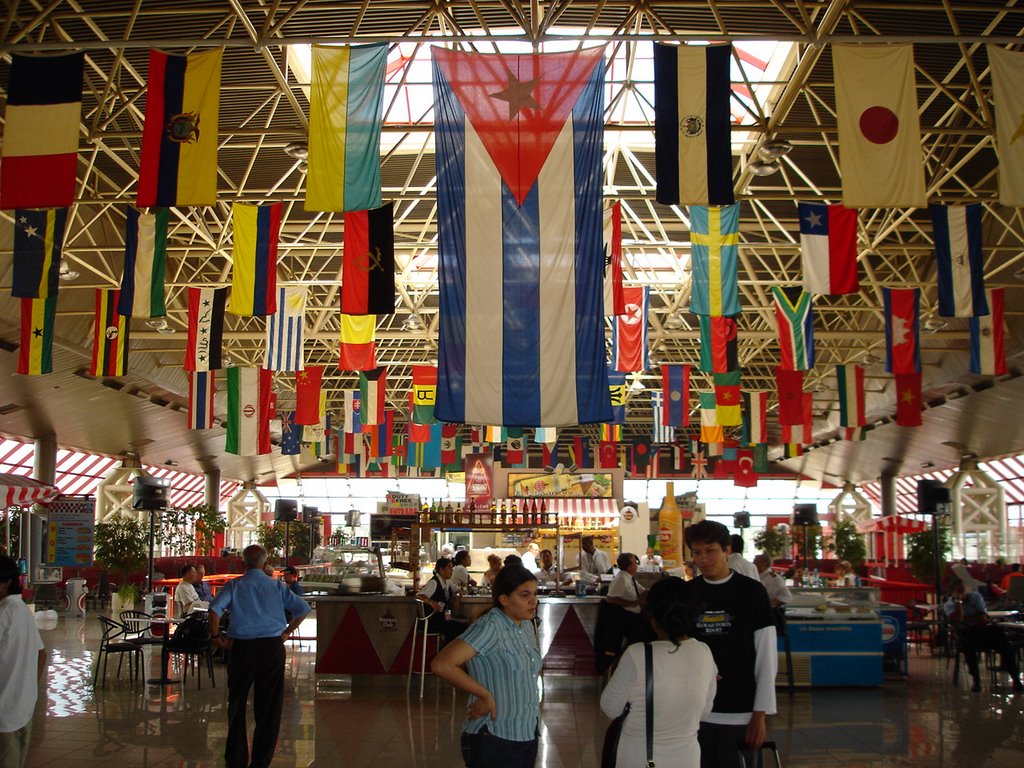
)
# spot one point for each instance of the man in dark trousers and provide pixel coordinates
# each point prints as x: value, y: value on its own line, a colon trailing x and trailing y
x: 734, y: 618
x: 256, y: 638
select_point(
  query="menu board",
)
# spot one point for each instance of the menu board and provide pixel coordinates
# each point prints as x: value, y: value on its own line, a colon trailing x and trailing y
x: 71, y: 523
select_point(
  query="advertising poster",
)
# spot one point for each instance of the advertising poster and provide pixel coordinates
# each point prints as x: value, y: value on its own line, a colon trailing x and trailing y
x: 479, y: 471
x: 70, y: 532
x: 593, y: 485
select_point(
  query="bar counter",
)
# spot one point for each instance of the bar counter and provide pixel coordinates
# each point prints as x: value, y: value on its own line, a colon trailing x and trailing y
x: 371, y: 634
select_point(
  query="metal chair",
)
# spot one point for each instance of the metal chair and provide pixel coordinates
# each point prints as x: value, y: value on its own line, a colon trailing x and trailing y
x: 421, y: 628
x: 194, y: 647
x: 112, y: 641
x: 138, y: 628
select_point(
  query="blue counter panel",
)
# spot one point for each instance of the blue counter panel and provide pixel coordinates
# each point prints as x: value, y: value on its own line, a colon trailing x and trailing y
x: 837, y: 653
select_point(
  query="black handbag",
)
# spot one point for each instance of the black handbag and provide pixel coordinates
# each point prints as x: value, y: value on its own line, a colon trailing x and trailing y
x: 610, y: 749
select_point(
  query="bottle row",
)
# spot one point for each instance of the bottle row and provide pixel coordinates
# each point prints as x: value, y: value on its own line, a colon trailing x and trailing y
x: 510, y: 512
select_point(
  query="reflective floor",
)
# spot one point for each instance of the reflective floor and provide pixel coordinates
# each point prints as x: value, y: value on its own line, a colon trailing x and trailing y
x: 924, y: 721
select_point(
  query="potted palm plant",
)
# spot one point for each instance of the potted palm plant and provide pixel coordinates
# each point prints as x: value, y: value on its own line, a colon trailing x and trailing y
x: 121, y: 545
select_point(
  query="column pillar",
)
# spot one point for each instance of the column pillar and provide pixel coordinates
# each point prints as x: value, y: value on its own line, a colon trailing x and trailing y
x: 887, y: 483
x: 44, y: 469
x: 212, y: 497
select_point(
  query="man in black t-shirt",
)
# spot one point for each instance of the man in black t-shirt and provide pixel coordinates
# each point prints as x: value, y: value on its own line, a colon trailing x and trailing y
x: 734, y: 618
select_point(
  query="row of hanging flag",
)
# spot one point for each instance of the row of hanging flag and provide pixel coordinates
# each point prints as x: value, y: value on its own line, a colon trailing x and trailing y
x: 178, y: 164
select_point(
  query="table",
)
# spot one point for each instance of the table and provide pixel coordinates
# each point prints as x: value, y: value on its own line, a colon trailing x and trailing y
x: 165, y: 654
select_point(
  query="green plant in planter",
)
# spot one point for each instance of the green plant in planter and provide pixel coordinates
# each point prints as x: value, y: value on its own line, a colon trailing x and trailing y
x: 921, y: 553
x: 187, y: 530
x: 774, y: 542
x: 128, y: 594
x: 121, y: 544
x: 849, y: 545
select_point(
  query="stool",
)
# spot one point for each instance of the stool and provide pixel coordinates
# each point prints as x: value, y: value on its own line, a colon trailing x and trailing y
x: 420, y: 628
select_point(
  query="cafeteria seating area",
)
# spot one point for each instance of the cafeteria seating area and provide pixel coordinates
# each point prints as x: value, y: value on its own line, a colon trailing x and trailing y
x: 924, y: 720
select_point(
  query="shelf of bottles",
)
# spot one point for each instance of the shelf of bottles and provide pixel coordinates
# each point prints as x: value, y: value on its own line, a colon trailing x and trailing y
x: 514, y: 513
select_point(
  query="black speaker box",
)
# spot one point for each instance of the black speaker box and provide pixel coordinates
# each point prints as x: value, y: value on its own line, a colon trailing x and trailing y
x: 310, y: 514
x: 149, y: 493
x: 931, y: 493
x: 805, y: 514
x: 741, y: 519
x: 286, y: 510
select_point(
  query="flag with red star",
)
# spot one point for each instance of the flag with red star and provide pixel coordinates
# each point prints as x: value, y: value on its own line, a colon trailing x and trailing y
x: 908, y: 399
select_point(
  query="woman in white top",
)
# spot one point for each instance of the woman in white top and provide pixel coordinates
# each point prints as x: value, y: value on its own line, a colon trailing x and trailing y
x: 460, y: 574
x: 684, y: 684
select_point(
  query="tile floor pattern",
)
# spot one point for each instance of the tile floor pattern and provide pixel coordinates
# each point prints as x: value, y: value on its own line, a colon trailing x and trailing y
x: 924, y: 721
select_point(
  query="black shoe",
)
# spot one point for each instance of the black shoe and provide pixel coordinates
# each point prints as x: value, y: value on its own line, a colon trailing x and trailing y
x: 976, y: 687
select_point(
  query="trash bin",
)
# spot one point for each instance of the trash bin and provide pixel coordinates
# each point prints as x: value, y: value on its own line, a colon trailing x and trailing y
x: 155, y: 604
x: 74, y: 598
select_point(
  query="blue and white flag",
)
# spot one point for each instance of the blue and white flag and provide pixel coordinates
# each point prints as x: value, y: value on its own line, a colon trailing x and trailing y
x: 519, y: 189
x: 958, y: 260
x: 200, y: 399
x: 659, y: 432
x: 285, y: 331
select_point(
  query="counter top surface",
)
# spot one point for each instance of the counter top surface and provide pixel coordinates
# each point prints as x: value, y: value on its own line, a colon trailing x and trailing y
x: 466, y: 599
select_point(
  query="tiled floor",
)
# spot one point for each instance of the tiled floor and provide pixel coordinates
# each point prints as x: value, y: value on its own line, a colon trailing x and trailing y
x: 924, y: 721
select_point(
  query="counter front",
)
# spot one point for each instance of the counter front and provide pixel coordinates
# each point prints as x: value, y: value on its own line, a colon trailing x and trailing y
x: 371, y: 634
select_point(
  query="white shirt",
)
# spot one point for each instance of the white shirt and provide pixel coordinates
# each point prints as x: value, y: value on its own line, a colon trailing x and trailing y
x: 684, y: 692
x: 652, y: 563
x: 624, y: 586
x: 530, y: 561
x: 595, y: 563
x: 184, y: 596
x: 776, y: 586
x: 742, y: 566
x: 20, y: 645
x: 460, y: 577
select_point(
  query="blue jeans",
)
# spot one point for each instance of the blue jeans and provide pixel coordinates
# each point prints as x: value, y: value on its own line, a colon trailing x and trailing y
x: 485, y: 750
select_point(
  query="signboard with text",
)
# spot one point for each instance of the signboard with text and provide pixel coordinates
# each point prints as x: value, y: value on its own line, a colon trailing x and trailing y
x: 69, y: 535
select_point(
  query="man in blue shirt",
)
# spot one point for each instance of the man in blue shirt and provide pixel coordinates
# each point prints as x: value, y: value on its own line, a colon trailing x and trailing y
x: 256, y: 638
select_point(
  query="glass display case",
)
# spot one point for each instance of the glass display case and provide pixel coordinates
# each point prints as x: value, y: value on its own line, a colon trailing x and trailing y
x: 834, y: 604
x: 354, y: 571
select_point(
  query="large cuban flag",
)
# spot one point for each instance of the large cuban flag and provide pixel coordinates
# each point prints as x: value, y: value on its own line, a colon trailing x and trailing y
x: 518, y: 142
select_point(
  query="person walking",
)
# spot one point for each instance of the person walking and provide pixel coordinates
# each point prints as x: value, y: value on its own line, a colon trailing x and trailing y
x: 255, y: 638
x: 502, y: 660
x: 22, y: 665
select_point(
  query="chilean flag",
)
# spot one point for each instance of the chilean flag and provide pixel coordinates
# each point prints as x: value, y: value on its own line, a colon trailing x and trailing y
x: 519, y: 148
x: 828, y: 248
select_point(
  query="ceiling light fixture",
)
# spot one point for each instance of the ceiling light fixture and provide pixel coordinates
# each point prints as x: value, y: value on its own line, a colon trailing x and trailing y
x: 870, y: 359
x: 298, y: 150
x: 933, y: 324
x: 66, y: 273
x: 763, y: 168
x: 157, y: 323
x: 412, y: 323
x: 775, y: 149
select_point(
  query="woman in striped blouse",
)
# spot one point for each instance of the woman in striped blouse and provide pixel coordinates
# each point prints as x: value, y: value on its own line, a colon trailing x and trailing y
x: 502, y: 660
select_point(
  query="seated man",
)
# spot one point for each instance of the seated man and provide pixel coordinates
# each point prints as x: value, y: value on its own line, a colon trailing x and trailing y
x: 778, y: 592
x: 460, y: 573
x: 651, y: 562
x: 440, y: 595
x: 976, y: 632
x: 548, y: 572
x: 202, y: 588
x: 291, y: 577
x: 185, y: 595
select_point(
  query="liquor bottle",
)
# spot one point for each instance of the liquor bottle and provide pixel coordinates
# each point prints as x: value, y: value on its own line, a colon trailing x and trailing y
x: 471, y: 513
x: 520, y: 512
x: 449, y: 513
x: 425, y: 513
x: 542, y: 514
x: 533, y: 517
x: 459, y: 519
x: 502, y: 514
x: 492, y: 514
x: 670, y: 530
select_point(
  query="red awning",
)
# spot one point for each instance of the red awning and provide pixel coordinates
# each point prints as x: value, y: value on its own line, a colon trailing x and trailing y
x: 893, y: 524
x: 18, y: 491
